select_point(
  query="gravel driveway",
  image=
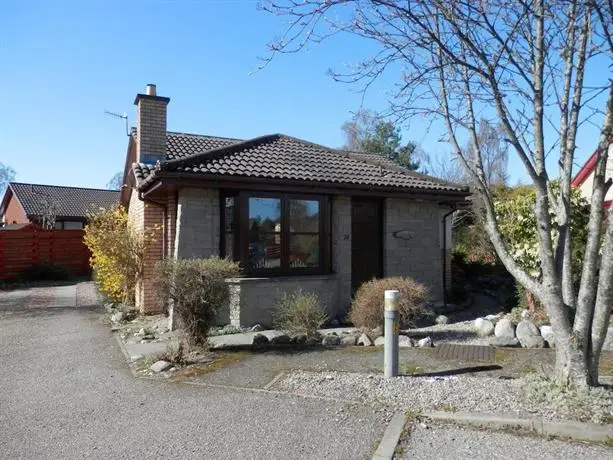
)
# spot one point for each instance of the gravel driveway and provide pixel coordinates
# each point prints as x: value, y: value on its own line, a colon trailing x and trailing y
x: 66, y: 392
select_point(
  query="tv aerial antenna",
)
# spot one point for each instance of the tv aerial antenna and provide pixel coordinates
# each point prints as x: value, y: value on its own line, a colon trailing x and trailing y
x: 123, y: 116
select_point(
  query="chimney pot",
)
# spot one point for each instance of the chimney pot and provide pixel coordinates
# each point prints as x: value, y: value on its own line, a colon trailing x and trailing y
x: 150, y: 90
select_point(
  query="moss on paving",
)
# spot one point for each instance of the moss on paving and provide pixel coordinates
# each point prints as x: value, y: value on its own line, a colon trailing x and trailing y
x: 197, y: 370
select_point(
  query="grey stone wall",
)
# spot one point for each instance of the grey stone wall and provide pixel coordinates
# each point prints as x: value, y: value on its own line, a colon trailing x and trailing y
x: 197, y: 231
x: 341, y: 250
x: 419, y: 256
x: 253, y: 300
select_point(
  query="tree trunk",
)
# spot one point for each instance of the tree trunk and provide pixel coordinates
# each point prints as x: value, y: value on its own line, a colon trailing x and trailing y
x: 571, y: 365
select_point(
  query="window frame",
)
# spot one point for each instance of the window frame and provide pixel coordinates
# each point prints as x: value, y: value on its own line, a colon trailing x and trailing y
x: 241, y: 232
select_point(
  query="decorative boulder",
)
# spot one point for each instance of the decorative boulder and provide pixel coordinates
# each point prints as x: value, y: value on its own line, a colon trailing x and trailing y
x: 533, y: 341
x: 260, y: 339
x: 547, y: 334
x: 484, y: 327
x: 299, y: 339
x: 377, y: 332
x: 348, y: 340
x: 330, y: 340
x: 425, y: 343
x: 494, y: 318
x: 117, y: 317
x: 379, y: 341
x: 504, y: 329
x: 282, y: 339
x: 405, y: 341
x: 441, y: 320
x: 525, y: 330
x: 365, y: 340
x: 160, y: 366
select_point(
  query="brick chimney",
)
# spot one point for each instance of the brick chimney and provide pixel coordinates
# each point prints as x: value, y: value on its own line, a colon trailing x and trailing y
x: 151, y: 126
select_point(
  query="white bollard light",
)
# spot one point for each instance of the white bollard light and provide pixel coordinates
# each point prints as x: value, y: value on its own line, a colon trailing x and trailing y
x: 390, y: 352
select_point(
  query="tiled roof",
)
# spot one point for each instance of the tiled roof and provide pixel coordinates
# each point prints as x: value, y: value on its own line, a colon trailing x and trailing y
x: 280, y: 157
x: 179, y: 145
x: 70, y: 201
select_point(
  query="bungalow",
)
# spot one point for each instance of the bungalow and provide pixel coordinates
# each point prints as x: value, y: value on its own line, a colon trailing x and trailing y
x: 293, y: 213
x: 68, y: 206
x: 584, y: 179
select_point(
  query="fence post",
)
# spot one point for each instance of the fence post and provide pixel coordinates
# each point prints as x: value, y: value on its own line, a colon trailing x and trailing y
x: 390, y: 353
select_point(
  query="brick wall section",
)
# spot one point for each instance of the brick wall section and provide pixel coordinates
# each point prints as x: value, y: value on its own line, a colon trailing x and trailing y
x: 197, y: 231
x: 418, y: 257
x: 142, y: 217
x: 252, y: 300
x: 341, y: 250
x: 151, y: 128
x: 13, y: 214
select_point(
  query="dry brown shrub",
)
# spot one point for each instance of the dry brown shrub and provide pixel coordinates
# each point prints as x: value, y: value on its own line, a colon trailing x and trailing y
x: 368, y: 305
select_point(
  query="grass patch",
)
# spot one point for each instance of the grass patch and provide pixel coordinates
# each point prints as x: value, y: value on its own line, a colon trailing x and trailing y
x: 197, y: 370
x: 411, y: 369
x: 446, y: 407
x: 526, y: 369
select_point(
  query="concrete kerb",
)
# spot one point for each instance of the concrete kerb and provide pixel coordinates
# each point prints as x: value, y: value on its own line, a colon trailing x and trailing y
x: 578, y: 431
x: 391, y: 436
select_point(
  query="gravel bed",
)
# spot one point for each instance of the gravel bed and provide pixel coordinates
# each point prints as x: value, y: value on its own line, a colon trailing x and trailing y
x: 443, y: 442
x: 417, y: 394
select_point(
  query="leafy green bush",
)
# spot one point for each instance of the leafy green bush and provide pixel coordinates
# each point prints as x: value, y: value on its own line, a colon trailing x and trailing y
x: 300, y: 312
x: 198, y: 290
x: 368, y: 305
x: 47, y: 272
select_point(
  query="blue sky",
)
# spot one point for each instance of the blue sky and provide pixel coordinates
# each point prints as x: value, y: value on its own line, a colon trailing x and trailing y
x: 63, y: 63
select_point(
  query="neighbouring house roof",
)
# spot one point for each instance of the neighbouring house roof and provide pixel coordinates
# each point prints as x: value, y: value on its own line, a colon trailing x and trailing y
x: 278, y: 157
x: 74, y: 202
x: 586, y: 169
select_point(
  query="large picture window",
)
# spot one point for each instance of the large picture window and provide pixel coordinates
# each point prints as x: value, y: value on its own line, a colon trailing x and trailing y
x: 274, y: 233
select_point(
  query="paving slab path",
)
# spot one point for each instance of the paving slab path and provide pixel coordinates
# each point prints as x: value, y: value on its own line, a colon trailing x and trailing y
x: 66, y: 392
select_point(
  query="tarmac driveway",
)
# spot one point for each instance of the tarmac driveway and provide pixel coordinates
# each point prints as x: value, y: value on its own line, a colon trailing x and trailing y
x: 66, y: 392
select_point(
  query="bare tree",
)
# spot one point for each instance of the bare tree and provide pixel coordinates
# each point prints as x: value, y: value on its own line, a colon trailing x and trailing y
x: 523, y: 64
x: 47, y: 212
x: 116, y: 182
x: 357, y: 130
x: 494, y: 151
x: 7, y: 174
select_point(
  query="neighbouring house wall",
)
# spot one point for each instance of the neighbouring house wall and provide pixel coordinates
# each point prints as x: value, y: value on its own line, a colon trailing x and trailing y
x: 197, y: 229
x: 14, y: 212
x: 419, y: 256
x: 341, y: 250
x: 588, y: 184
x: 253, y: 300
x: 145, y: 217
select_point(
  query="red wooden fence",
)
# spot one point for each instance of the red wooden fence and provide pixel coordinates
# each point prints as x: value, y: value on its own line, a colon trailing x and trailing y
x: 22, y: 249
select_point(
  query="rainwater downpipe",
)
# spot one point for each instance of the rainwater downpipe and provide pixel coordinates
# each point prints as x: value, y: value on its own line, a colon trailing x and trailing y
x: 445, y: 256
